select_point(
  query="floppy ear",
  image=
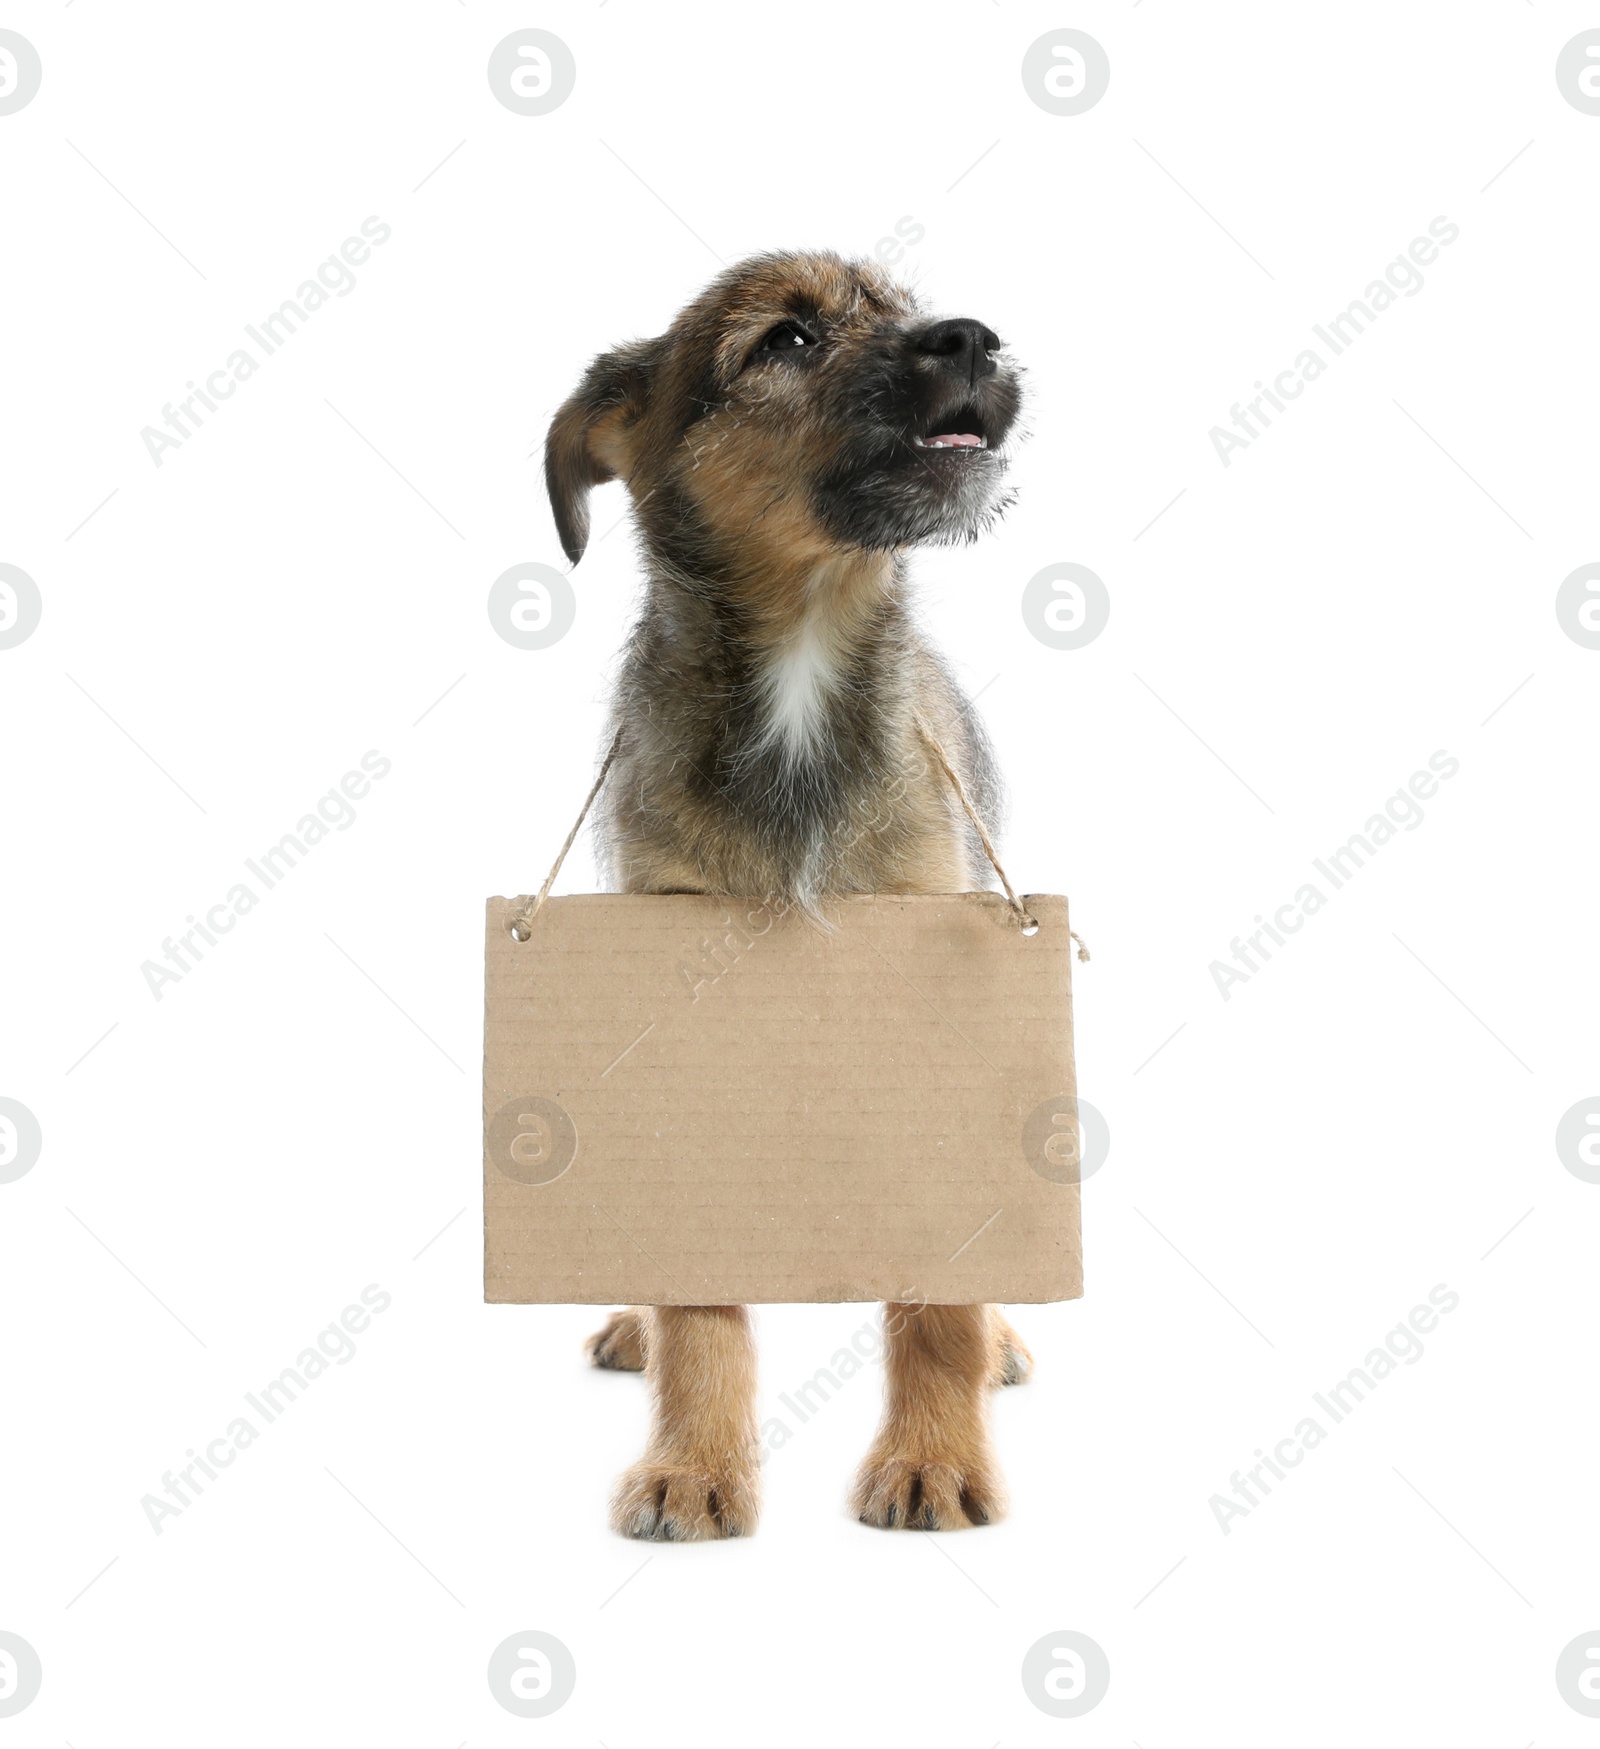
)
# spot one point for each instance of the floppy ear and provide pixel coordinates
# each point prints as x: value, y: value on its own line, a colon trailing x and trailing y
x: 588, y: 440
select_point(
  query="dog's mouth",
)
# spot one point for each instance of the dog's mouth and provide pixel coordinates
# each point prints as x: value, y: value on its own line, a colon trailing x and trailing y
x: 961, y: 428
x: 932, y: 476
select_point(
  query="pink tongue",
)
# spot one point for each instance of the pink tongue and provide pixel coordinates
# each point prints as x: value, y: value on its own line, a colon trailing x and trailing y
x: 957, y: 439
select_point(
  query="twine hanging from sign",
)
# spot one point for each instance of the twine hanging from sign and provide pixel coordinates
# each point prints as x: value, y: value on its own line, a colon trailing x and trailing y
x: 520, y: 925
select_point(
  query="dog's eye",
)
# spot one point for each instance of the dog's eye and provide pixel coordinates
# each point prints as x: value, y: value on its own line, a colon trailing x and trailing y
x: 787, y: 337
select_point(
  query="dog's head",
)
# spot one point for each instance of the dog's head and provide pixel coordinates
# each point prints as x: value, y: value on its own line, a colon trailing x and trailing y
x: 801, y: 400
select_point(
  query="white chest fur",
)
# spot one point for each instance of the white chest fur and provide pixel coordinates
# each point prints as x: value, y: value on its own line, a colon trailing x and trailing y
x: 798, y: 679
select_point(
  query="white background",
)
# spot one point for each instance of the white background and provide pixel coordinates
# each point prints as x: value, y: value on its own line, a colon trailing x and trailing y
x: 225, y: 636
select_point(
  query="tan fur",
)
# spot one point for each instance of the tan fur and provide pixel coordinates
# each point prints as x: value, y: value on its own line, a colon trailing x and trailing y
x: 932, y: 1465
x: 700, y: 1476
x: 618, y: 1345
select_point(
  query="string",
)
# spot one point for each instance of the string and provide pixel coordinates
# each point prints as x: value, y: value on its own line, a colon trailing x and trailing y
x: 984, y: 839
x: 521, y: 924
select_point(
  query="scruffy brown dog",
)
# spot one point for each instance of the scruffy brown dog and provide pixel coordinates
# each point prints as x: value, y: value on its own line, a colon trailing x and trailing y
x: 798, y: 427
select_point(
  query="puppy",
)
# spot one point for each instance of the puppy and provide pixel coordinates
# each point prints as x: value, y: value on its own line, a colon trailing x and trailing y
x: 798, y: 428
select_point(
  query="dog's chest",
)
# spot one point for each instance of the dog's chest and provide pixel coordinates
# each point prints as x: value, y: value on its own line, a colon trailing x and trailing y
x: 797, y: 692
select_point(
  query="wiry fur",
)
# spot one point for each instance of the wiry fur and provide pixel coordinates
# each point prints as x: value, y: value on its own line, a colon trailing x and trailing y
x: 769, y: 700
x: 716, y: 791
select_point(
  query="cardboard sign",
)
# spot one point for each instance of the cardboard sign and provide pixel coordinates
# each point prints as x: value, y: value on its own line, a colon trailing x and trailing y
x: 710, y: 1101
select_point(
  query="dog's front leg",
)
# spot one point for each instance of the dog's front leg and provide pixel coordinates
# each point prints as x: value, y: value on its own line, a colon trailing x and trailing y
x: 932, y: 1466
x: 700, y: 1474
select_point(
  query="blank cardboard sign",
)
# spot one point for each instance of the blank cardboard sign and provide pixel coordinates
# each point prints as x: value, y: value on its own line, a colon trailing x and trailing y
x: 708, y: 1101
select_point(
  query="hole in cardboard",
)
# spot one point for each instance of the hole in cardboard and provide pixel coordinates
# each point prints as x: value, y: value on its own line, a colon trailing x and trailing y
x: 1030, y: 925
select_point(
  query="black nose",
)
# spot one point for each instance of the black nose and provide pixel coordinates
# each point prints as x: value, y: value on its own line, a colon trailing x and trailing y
x: 963, y: 344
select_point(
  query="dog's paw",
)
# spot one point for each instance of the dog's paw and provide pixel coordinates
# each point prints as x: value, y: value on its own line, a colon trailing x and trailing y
x: 619, y: 1346
x: 684, y: 1503
x: 1016, y: 1364
x: 903, y: 1493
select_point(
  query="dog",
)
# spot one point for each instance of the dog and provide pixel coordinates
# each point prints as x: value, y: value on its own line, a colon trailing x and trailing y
x: 799, y: 427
